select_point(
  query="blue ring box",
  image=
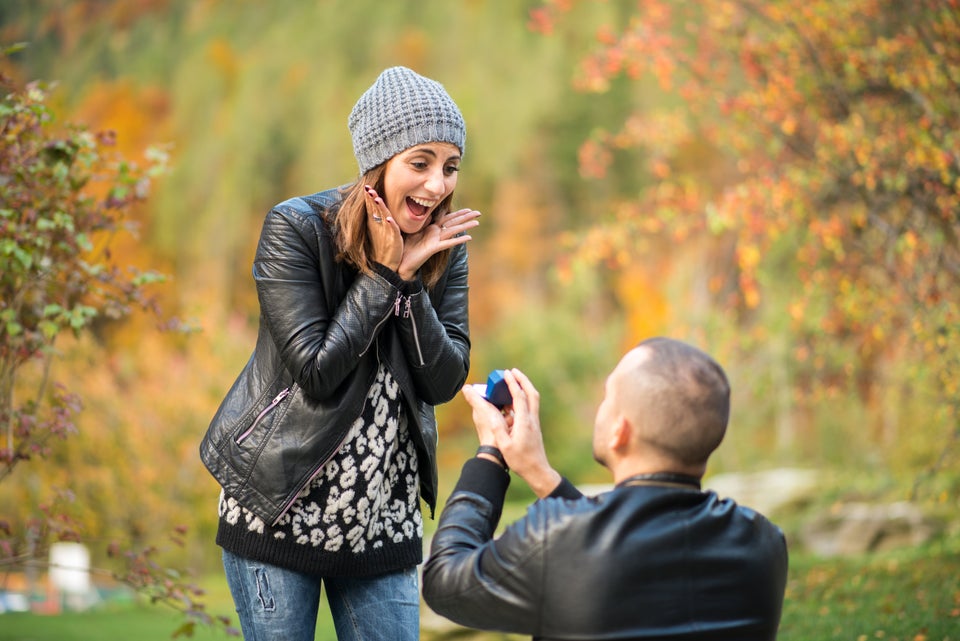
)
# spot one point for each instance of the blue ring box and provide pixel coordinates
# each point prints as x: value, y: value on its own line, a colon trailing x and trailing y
x: 497, y: 391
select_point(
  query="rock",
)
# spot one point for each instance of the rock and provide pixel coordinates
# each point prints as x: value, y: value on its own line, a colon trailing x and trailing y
x: 765, y: 491
x: 857, y: 528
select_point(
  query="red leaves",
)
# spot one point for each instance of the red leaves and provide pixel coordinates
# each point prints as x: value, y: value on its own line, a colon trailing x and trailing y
x: 543, y: 18
x: 541, y: 21
x: 594, y: 159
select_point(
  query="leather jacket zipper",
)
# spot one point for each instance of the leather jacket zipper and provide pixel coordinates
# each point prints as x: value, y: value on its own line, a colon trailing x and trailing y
x: 408, y: 313
x: 266, y: 410
x: 375, y: 329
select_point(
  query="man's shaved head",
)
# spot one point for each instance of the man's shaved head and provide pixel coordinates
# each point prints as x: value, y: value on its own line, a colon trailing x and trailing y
x: 676, y: 397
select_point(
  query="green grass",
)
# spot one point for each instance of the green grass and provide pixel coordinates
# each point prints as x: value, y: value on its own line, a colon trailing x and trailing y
x: 136, y: 622
x: 141, y: 623
x: 120, y: 616
x: 912, y: 594
x: 907, y: 595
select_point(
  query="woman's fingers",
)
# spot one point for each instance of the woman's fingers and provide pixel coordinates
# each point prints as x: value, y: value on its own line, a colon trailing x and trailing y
x: 457, y: 222
x: 383, y: 230
x: 375, y: 205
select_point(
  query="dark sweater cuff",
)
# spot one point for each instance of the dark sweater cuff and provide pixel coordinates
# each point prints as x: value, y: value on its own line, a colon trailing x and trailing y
x: 406, y: 287
x: 485, y: 478
x: 565, y: 490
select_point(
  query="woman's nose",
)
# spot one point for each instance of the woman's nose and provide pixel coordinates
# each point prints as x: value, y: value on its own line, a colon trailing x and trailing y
x: 436, y: 184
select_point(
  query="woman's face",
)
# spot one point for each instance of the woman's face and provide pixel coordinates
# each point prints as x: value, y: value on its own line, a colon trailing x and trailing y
x: 417, y: 180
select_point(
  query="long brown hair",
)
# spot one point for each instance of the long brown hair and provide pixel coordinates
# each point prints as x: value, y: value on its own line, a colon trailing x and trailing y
x: 350, y: 220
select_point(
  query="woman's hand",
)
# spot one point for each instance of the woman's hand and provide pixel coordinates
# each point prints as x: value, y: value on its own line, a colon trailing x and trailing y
x: 437, y: 236
x: 385, y: 237
x: 406, y: 255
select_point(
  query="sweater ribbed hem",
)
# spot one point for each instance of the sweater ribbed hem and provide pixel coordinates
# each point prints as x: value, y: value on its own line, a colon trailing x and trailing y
x: 307, y: 559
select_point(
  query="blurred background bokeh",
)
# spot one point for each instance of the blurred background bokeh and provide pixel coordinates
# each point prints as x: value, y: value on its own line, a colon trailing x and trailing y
x: 716, y: 200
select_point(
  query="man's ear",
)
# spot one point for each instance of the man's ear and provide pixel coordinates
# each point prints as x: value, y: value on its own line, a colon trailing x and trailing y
x: 620, y: 435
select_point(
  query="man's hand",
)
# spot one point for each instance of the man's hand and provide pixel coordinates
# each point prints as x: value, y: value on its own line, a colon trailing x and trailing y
x: 522, y: 444
x: 485, y: 415
x: 516, y: 431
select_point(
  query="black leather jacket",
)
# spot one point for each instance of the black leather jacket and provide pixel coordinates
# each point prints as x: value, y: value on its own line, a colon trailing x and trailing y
x: 644, y: 562
x: 324, y: 328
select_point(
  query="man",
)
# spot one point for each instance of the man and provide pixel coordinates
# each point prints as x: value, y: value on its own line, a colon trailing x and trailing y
x: 654, y: 558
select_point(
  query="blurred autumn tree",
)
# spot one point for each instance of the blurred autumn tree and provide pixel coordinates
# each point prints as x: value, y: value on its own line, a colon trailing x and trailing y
x: 65, y: 199
x: 196, y: 73
x: 809, y: 155
x: 700, y: 212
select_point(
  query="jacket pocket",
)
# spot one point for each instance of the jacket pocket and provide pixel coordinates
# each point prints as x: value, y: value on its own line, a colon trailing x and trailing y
x: 265, y: 413
x: 268, y: 411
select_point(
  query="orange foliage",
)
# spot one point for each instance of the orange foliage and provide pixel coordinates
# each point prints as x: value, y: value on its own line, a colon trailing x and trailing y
x: 639, y: 289
x: 524, y: 242
x: 141, y: 113
x: 836, y: 127
x: 144, y: 117
x: 225, y: 60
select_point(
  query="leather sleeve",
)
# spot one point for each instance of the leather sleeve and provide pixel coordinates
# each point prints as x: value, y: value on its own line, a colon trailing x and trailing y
x: 435, y: 335
x: 477, y: 581
x: 319, y: 339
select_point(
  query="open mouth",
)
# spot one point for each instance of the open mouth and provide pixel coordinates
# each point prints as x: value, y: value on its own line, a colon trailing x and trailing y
x: 418, y: 206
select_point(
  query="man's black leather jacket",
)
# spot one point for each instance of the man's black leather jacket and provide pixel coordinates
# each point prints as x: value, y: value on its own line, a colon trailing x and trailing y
x: 644, y: 562
x: 324, y: 329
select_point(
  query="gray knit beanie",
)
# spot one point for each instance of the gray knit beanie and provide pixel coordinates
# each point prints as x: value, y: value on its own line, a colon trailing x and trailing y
x: 400, y: 110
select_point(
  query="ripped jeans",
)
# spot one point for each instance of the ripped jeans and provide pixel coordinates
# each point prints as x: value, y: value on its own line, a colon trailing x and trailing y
x: 276, y: 604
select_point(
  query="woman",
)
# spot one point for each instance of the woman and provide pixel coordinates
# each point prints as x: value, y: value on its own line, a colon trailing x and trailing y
x: 327, y: 440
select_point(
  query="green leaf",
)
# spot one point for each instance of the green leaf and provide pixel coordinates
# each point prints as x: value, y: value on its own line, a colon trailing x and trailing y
x: 14, y: 328
x: 148, y: 278
x: 48, y: 328
x: 83, y: 242
x: 24, y: 257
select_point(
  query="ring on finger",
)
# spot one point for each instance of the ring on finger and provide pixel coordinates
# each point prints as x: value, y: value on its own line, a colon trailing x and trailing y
x: 377, y: 219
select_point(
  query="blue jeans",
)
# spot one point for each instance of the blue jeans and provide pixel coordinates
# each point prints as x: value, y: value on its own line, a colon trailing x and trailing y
x: 275, y: 604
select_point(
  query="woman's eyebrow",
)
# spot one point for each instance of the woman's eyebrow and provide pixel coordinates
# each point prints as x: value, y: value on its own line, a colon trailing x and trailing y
x: 431, y: 152
x: 423, y: 150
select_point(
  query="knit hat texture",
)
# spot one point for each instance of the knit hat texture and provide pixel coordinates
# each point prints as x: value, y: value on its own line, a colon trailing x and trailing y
x: 400, y: 110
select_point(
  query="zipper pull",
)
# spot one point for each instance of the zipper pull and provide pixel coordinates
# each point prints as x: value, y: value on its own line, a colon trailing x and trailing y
x: 266, y: 410
x: 279, y: 397
x: 406, y: 310
x: 396, y: 305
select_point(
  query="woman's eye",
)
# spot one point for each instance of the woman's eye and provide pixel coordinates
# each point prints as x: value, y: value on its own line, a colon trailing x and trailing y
x: 419, y: 164
x: 452, y: 169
